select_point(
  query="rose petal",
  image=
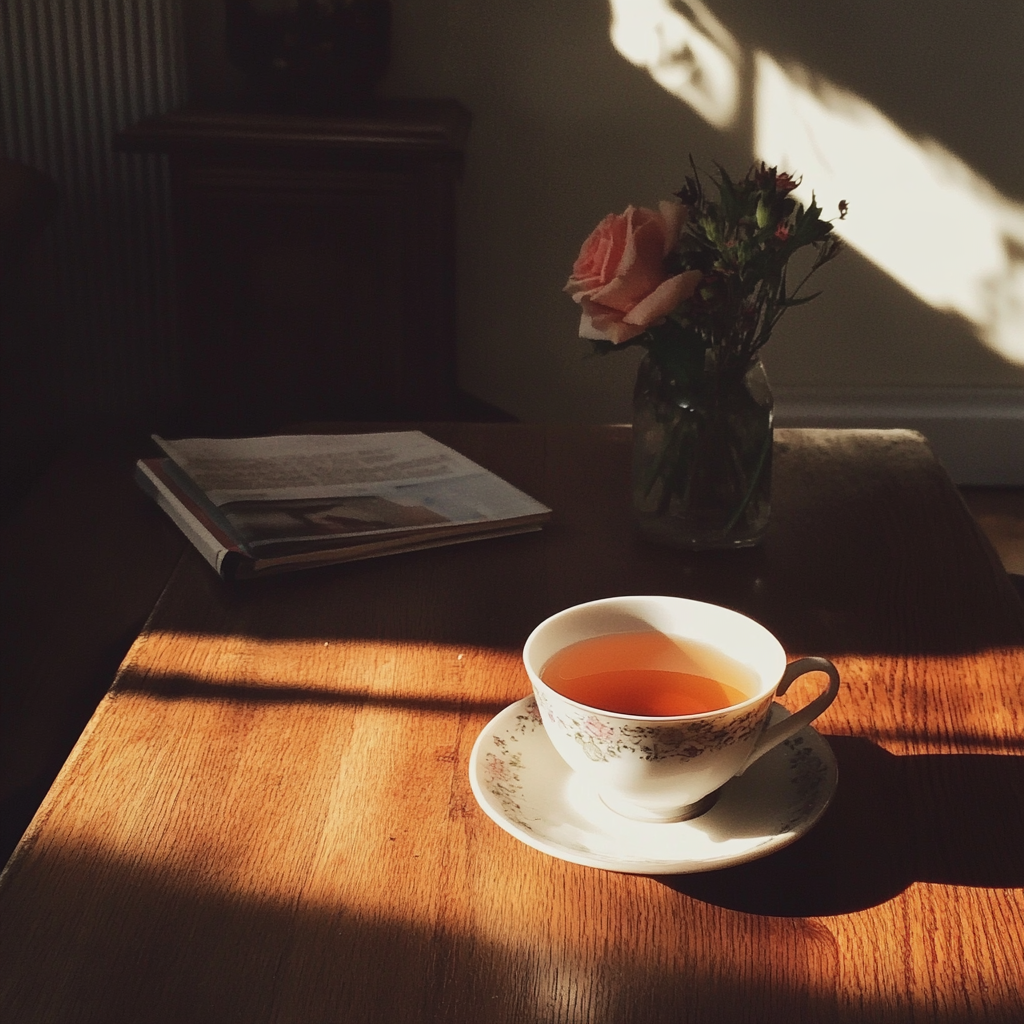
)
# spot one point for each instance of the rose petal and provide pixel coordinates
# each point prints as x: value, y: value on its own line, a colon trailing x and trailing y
x: 664, y: 299
x: 619, y: 276
x: 641, y: 269
x: 599, y: 323
x: 600, y: 254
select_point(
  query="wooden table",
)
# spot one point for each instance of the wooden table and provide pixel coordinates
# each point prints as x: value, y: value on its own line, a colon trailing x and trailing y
x: 269, y: 817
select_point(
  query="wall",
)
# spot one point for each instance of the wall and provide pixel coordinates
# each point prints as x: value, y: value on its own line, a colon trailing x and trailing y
x: 568, y: 126
x: 566, y: 129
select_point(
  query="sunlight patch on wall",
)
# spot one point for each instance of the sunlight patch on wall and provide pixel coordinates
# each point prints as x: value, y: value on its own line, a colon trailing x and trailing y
x: 690, y: 55
x: 916, y: 210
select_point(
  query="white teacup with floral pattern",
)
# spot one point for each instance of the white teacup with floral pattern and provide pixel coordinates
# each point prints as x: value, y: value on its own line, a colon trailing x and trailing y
x: 670, y: 768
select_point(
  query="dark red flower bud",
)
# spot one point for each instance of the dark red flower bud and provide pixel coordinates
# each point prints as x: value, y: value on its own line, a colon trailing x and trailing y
x: 785, y: 183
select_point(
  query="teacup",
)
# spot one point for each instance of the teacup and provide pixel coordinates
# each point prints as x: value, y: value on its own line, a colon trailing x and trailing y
x: 654, y: 767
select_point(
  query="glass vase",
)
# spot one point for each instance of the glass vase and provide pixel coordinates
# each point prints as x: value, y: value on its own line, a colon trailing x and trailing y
x: 702, y: 456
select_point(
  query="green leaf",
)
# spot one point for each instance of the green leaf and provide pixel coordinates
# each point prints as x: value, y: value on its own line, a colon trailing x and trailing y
x: 730, y: 204
x: 763, y: 213
x: 798, y: 302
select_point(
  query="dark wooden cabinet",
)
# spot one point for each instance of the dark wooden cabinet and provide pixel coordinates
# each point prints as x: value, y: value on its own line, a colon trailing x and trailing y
x: 315, y: 260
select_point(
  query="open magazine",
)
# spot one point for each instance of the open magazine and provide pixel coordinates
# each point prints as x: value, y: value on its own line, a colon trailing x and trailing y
x: 255, y: 505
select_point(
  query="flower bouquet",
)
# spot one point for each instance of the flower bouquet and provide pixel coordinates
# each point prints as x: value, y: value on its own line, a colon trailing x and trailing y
x: 701, y: 283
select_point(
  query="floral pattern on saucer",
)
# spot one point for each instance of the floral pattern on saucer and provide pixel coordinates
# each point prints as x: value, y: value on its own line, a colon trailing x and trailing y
x: 603, y: 738
x: 521, y: 783
x: 501, y: 765
x: 807, y: 773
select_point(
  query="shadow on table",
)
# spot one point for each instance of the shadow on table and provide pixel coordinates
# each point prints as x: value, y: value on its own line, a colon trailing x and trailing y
x: 817, y: 594
x: 95, y: 932
x: 182, y: 687
x: 955, y: 819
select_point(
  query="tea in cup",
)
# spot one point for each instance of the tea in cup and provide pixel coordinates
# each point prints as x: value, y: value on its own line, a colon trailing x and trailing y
x: 658, y: 701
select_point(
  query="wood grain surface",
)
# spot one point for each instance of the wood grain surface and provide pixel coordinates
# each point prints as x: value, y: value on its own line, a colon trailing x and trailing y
x: 269, y: 816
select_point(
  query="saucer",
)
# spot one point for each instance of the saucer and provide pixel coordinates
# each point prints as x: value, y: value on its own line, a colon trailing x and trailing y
x: 525, y: 787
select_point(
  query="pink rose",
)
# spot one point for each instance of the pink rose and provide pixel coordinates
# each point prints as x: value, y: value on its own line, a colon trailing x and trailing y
x: 619, y: 278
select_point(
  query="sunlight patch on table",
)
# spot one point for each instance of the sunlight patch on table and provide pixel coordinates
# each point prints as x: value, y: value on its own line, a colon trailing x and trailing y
x: 904, y: 723
x: 402, y: 670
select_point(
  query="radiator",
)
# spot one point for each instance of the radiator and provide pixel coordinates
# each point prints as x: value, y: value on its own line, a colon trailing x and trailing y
x: 73, y: 73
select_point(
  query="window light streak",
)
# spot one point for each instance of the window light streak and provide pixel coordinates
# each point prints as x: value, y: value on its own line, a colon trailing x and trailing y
x: 916, y: 210
x: 693, y: 57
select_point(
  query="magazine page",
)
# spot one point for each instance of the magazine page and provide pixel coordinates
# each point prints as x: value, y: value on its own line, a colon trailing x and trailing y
x: 292, y: 466
x: 298, y: 491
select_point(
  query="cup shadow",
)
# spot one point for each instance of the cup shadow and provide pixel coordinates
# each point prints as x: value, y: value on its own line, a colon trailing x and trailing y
x: 955, y: 819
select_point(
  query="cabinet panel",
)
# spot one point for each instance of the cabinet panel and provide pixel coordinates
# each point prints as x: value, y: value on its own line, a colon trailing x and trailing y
x: 316, y: 265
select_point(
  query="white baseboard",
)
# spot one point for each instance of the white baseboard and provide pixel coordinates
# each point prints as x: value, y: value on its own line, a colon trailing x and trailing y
x: 977, y: 433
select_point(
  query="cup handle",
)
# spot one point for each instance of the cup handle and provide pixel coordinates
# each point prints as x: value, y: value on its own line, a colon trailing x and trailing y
x: 775, y: 734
